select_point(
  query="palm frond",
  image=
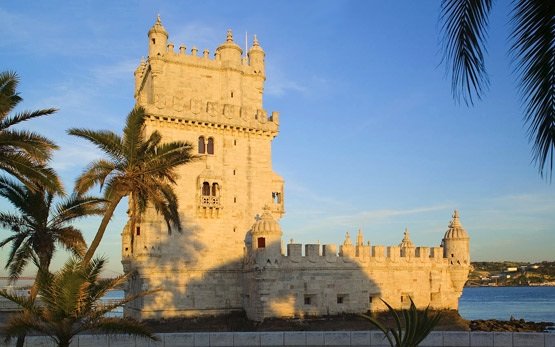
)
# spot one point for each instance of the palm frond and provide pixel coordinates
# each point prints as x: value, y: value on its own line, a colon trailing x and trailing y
x: 464, y: 25
x: 133, y: 133
x: 108, y: 141
x: 37, y: 146
x: 24, y: 116
x: 72, y: 240
x: 9, y: 98
x: 533, y: 50
x: 75, y: 207
x: 23, y: 167
x: 95, y: 174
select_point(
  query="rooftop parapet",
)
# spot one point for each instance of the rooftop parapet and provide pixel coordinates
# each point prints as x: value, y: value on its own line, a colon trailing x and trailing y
x: 366, y: 254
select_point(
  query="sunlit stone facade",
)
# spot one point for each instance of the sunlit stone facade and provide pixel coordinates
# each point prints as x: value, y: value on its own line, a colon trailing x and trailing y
x: 222, y: 262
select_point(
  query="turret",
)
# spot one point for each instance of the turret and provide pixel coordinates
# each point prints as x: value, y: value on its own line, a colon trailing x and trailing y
x: 406, y: 245
x: 263, y: 241
x: 157, y: 39
x: 456, y: 243
x: 229, y: 52
x: 256, y: 57
x: 456, y: 251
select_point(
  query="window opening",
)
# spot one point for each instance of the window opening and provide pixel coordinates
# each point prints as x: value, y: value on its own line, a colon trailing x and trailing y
x: 261, y: 242
x: 340, y: 299
x: 138, y: 231
x: 206, y: 189
x: 153, y: 41
x: 215, y: 189
x: 201, y: 145
x: 307, y: 300
x: 210, y: 146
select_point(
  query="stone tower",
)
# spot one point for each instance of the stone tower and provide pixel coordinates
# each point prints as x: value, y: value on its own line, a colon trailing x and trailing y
x: 215, y: 103
x: 456, y: 250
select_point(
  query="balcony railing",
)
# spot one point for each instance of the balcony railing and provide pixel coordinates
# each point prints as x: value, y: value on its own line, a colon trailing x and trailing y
x: 210, y: 201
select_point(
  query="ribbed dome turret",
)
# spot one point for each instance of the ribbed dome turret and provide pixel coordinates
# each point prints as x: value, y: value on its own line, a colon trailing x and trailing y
x: 229, y: 51
x: 158, y: 28
x: 266, y: 224
x: 256, y: 45
x: 406, y: 242
x: 456, y: 230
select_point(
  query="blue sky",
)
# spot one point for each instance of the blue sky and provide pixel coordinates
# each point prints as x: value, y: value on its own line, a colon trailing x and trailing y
x: 370, y: 135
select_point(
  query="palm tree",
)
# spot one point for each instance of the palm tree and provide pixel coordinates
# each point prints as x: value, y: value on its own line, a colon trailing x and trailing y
x: 137, y: 166
x: 24, y: 154
x: 70, y: 303
x: 464, y: 26
x: 40, y: 226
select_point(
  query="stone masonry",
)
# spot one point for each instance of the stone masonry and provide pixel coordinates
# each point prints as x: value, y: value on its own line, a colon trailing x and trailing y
x: 222, y: 262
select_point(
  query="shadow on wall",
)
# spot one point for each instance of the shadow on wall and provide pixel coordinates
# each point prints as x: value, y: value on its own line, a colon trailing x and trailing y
x: 262, y: 282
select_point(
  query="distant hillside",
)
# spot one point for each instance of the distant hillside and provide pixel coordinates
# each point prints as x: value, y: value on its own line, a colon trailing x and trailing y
x: 510, y: 273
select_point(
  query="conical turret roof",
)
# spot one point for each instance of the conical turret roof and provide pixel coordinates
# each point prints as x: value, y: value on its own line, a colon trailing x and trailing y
x: 455, y: 230
x: 229, y: 43
x: 266, y: 224
x: 158, y: 27
x: 406, y: 242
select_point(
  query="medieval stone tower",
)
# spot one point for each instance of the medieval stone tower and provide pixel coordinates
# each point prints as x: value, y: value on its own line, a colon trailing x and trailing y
x: 215, y: 103
x: 229, y: 256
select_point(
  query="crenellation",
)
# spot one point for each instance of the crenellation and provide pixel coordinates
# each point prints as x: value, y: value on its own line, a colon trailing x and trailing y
x: 312, y: 251
x: 294, y: 250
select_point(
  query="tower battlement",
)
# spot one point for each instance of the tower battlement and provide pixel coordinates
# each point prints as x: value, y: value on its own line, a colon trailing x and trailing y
x: 328, y: 253
x: 223, y: 91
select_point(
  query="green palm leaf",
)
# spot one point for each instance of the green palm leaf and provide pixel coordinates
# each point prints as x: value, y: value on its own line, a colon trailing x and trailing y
x: 534, y: 54
x: 464, y: 24
x: 138, y: 166
x: 24, y: 154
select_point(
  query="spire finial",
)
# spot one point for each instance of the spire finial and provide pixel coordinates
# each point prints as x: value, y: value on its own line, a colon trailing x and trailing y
x: 456, y: 214
x: 229, y: 35
x: 158, y: 20
x: 255, y: 41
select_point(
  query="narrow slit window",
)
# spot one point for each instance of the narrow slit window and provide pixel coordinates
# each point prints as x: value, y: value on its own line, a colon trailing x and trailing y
x: 138, y: 231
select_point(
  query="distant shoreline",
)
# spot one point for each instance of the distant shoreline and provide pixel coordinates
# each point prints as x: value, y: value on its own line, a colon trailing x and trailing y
x: 505, y: 286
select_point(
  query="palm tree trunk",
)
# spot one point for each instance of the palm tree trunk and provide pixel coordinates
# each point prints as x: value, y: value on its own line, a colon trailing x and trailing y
x: 44, y: 265
x: 102, y: 228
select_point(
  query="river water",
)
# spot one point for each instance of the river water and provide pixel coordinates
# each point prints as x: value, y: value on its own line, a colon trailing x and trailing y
x: 530, y: 303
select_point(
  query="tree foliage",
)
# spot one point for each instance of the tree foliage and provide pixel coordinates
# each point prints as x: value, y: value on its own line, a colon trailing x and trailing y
x: 70, y: 303
x: 138, y: 166
x: 24, y: 154
x: 40, y: 225
x: 464, y: 29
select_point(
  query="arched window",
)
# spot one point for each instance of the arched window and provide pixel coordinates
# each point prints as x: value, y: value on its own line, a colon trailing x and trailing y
x: 201, y: 145
x: 215, y: 189
x: 210, y: 146
x: 206, y: 189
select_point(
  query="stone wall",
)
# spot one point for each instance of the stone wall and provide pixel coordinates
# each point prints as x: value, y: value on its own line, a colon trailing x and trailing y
x: 309, y: 338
